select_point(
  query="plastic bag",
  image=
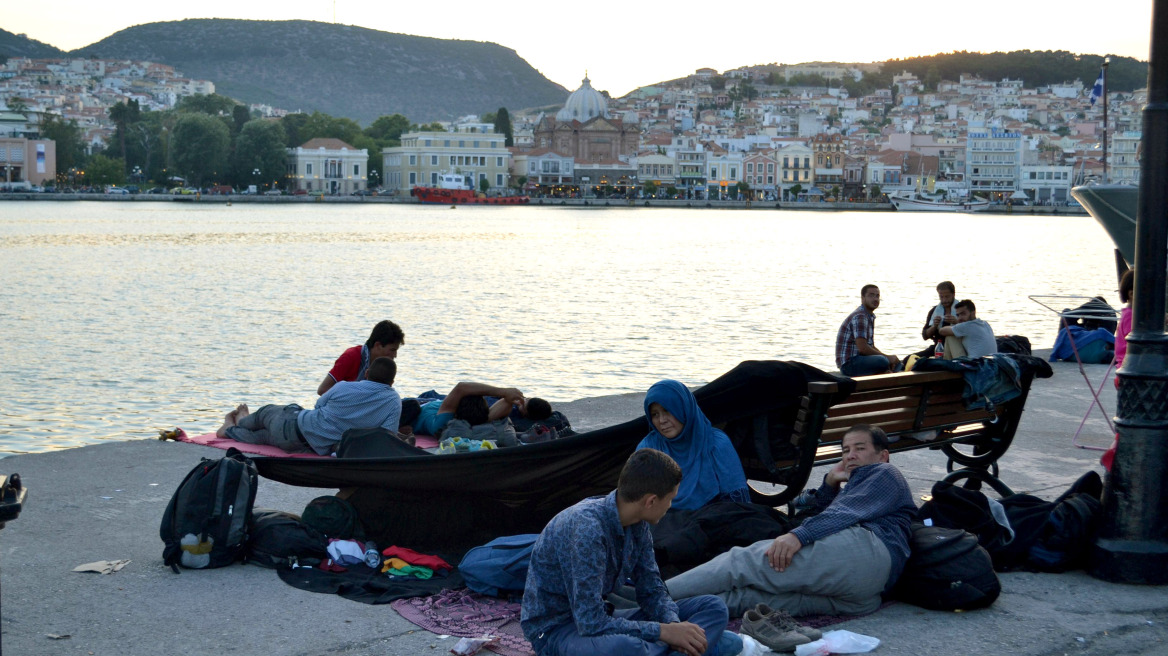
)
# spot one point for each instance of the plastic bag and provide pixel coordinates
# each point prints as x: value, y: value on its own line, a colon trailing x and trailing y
x: 469, y: 646
x: 838, y: 642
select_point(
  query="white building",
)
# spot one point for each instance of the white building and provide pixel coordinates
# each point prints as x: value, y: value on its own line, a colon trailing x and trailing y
x: 480, y: 154
x: 993, y: 160
x: 328, y: 165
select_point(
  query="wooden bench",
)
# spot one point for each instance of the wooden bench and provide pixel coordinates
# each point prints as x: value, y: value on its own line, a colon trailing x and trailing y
x: 919, y: 410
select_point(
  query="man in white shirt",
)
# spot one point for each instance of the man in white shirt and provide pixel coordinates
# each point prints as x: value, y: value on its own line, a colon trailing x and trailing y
x: 977, y: 338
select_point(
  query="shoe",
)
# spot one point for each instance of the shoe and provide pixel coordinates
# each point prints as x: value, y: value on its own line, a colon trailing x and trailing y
x: 783, y: 620
x: 763, y: 630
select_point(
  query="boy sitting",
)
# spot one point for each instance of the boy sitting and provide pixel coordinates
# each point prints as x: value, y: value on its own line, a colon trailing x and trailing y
x: 589, y: 550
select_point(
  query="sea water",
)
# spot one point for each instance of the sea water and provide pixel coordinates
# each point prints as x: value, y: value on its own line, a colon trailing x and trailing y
x: 119, y: 319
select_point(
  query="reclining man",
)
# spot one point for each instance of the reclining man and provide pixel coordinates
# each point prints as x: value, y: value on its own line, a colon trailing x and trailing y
x: 387, y: 337
x: 367, y: 403
x: 433, y: 415
x: 970, y: 336
x: 587, y: 551
x: 836, y: 562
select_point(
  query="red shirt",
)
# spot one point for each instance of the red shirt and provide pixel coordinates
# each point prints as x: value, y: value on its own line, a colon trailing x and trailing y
x: 349, y: 365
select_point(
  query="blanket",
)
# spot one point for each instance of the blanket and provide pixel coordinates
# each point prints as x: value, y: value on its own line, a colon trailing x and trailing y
x: 211, y: 439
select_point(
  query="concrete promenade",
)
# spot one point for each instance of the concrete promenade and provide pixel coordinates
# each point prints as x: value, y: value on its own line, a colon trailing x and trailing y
x: 104, y: 502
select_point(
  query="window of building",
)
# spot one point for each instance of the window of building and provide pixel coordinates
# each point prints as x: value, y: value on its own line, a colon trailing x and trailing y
x: 413, y: 160
x: 427, y: 143
x: 356, y: 169
x: 475, y: 144
x: 750, y: 167
x: 433, y: 160
x: 806, y: 165
x: 733, y: 172
x: 434, y: 178
x: 770, y: 179
x: 308, y: 169
x: 498, y: 179
x: 446, y: 143
x: 461, y: 143
x: 713, y: 173
x: 499, y: 161
x: 770, y: 167
x: 413, y: 178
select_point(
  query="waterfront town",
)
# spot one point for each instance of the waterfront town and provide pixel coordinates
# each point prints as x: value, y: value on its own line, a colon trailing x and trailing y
x: 752, y: 133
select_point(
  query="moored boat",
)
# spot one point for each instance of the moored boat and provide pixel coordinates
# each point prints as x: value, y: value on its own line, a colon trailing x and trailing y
x: 453, y: 189
x: 1114, y: 207
x: 922, y: 203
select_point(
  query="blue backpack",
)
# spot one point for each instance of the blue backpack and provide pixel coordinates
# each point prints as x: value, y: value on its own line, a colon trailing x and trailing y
x: 499, y: 567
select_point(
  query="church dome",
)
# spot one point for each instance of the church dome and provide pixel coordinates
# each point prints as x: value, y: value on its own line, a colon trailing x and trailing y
x: 584, y: 103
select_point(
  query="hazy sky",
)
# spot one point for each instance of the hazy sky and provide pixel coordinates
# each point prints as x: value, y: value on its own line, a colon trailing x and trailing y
x: 625, y: 46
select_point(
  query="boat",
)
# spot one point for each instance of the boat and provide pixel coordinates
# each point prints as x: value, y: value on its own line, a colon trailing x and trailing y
x: 1115, y: 207
x: 923, y: 203
x: 454, y: 189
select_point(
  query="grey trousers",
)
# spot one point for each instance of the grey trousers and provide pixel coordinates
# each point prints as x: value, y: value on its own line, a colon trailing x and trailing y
x: 842, y: 574
x: 274, y: 425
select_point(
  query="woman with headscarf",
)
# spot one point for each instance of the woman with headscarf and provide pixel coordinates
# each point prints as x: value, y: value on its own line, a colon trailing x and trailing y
x: 710, y: 467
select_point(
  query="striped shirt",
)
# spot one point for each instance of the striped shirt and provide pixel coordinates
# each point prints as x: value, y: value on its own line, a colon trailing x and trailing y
x: 860, y: 323
x: 359, y: 404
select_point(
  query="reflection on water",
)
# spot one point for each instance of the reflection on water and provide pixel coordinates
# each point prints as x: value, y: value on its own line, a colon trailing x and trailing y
x: 120, y: 319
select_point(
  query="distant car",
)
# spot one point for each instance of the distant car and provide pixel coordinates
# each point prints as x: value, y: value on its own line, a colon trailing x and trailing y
x: 363, y: 192
x: 133, y: 189
x: 157, y: 190
x: 184, y: 191
x: 299, y: 192
x: 273, y: 192
x: 317, y: 193
x: 117, y: 191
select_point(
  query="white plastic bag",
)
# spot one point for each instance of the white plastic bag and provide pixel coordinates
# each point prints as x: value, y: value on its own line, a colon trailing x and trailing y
x: 838, y: 642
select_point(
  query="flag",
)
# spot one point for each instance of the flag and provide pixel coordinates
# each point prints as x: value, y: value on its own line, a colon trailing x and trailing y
x: 1097, y: 90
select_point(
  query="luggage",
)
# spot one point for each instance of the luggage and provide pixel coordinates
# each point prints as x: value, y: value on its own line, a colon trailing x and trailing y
x: 1067, y: 535
x: 334, y: 518
x: 278, y: 539
x: 499, y: 567
x: 206, y: 522
x: 947, y: 570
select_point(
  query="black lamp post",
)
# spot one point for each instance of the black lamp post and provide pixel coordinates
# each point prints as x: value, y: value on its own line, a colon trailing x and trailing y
x: 1132, y: 544
x: 255, y: 173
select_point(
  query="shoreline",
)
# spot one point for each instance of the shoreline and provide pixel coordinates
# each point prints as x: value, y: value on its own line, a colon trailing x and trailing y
x: 594, y: 203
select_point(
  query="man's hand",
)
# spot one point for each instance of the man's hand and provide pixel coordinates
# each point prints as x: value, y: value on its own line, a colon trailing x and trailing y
x: 782, y: 550
x: 892, y: 362
x: 838, y: 474
x: 686, y: 637
x: 936, y: 322
x: 950, y: 319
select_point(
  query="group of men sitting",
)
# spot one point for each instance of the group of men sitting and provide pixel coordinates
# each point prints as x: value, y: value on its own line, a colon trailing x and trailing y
x: 953, y: 328
x: 839, y: 560
x: 358, y: 393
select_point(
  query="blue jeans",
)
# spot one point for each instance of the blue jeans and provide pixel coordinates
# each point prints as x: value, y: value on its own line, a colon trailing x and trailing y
x: 865, y: 365
x: 707, y: 611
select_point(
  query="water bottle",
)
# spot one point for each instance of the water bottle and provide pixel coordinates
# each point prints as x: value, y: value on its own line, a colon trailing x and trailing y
x: 939, y: 352
x: 372, y: 555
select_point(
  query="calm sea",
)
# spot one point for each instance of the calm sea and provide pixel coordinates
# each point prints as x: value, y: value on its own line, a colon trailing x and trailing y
x: 117, y: 319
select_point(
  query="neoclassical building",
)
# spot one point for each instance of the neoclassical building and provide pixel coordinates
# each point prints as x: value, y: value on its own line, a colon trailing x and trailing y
x: 328, y: 165
x: 585, y: 131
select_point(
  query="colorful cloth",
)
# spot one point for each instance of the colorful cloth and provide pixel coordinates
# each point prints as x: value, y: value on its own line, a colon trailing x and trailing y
x: 414, y: 558
x: 710, y: 467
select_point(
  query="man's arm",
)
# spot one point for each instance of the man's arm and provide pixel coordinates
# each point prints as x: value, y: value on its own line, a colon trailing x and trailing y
x: 784, y: 548
x: 325, y: 385
x: 864, y: 348
x: 947, y: 331
x: 867, y: 498
x: 508, y: 394
x: 345, y: 368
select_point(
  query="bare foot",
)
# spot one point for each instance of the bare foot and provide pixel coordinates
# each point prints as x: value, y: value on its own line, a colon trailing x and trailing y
x: 241, y: 411
x: 228, y: 422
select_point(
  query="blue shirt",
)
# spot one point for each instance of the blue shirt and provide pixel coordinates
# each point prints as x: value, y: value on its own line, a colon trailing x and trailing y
x: 580, y: 557
x: 876, y: 498
x: 358, y: 404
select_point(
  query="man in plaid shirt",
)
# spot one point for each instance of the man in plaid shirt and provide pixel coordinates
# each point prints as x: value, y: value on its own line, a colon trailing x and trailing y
x: 855, y: 352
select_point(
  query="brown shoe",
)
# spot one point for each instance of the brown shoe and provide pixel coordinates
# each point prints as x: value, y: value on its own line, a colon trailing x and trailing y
x: 768, y: 633
x: 783, y: 620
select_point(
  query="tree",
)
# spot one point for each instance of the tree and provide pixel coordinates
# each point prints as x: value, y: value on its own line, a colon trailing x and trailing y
x: 260, y: 147
x: 650, y: 188
x: 484, y: 184
x: 834, y: 192
x: 103, y: 170
x: 521, y: 182
x: 874, y: 191
x: 123, y: 114
x: 503, y: 126
x: 671, y: 191
x: 795, y: 190
x: 212, y: 104
x: 240, y: 114
x: 324, y: 126
x: 388, y: 128
x: 200, y: 146
x: 67, y: 136
x: 743, y: 188
x: 292, y: 125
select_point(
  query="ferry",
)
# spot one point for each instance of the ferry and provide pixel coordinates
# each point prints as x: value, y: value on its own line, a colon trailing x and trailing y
x: 923, y: 203
x: 455, y: 189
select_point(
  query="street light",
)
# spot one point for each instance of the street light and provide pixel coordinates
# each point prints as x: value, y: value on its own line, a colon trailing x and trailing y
x: 255, y: 173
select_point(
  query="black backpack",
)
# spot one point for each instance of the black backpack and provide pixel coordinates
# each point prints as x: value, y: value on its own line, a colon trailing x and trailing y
x: 1067, y: 535
x: 947, y: 570
x: 279, y: 538
x: 334, y: 518
x: 206, y: 522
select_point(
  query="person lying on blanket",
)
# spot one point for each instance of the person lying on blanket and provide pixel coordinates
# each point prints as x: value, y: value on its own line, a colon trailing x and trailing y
x: 678, y: 427
x: 359, y: 404
x: 387, y: 337
x: 588, y: 550
x: 435, y: 414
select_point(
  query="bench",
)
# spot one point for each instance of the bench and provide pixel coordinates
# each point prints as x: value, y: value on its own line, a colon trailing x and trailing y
x: 919, y: 410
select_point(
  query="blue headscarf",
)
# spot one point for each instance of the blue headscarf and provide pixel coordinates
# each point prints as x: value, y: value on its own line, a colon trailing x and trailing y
x: 709, y: 464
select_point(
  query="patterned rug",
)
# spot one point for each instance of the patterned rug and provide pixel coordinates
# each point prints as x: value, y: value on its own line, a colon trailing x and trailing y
x: 466, y: 614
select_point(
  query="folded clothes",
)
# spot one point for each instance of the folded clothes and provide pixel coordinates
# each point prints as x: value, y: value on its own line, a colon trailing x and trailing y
x: 414, y: 558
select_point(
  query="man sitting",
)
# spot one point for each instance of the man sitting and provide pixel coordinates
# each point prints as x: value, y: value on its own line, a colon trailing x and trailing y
x: 360, y: 404
x: 838, y: 561
x: 855, y: 350
x: 970, y: 336
x: 588, y: 550
x: 384, y: 342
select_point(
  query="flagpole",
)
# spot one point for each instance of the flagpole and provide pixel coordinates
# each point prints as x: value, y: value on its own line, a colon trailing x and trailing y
x: 1106, y: 61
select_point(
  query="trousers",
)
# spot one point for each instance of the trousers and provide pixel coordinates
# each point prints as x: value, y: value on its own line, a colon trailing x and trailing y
x: 842, y: 574
x: 706, y: 611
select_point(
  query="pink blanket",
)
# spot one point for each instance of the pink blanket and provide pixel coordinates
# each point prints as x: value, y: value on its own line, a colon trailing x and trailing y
x: 210, y: 439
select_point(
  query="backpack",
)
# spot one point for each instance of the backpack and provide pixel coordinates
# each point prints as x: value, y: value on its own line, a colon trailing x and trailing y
x: 947, y: 570
x: 500, y: 566
x: 1067, y: 535
x: 206, y: 522
x: 334, y: 518
x: 278, y: 539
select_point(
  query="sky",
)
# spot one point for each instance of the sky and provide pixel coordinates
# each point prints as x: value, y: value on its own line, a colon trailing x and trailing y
x: 623, y: 48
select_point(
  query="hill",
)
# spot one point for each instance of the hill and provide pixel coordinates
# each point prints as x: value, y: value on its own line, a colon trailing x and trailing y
x: 19, y: 45
x: 341, y: 70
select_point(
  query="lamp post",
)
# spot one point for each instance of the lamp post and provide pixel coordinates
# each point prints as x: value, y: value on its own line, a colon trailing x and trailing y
x: 1106, y: 63
x: 373, y: 175
x: 255, y: 174
x: 1132, y: 543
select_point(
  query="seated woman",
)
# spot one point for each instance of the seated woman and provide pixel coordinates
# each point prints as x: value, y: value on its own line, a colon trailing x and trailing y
x: 711, y: 470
